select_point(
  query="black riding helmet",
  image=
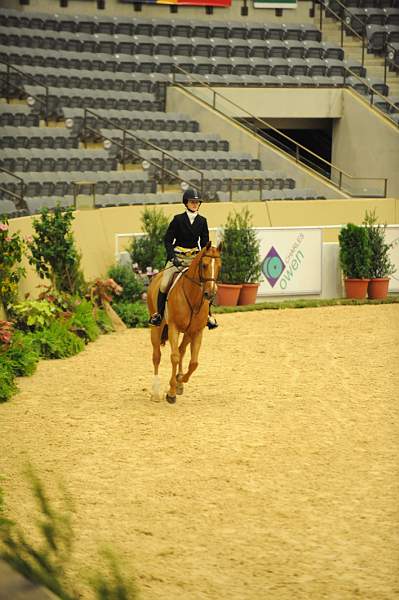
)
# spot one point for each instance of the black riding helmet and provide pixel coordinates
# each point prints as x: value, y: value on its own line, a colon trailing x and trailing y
x: 191, y: 194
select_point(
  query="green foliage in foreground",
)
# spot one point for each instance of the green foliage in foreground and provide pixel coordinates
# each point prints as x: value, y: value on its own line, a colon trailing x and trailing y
x: 57, y: 341
x: 83, y: 323
x: 21, y: 356
x: 46, y: 562
x: 133, y: 314
x: 43, y: 563
x: 112, y: 584
x: 21, y: 351
x: 7, y: 381
x: 303, y: 303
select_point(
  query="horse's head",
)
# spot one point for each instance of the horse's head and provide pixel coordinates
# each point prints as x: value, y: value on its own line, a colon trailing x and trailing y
x: 208, y: 267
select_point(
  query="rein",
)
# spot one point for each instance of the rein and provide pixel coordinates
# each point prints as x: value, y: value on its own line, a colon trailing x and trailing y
x: 200, y: 282
x: 201, y: 279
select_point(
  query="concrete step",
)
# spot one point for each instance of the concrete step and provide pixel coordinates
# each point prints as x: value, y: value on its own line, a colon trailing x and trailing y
x: 352, y: 46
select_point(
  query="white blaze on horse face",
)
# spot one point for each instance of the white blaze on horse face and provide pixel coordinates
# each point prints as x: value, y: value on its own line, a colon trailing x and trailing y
x: 213, y: 275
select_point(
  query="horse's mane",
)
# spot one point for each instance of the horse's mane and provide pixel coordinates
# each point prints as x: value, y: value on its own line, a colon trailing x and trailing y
x: 197, y: 258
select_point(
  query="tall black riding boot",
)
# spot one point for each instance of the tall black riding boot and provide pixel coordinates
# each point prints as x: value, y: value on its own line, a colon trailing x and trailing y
x: 156, y: 318
x: 212, y: 323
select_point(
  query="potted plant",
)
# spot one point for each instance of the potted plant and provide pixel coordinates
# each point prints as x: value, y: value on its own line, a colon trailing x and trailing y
x: 148, y: 251
x: 354, y: 257
x: 240, y: 261
x: 381, y: 266
x: 251, y: 260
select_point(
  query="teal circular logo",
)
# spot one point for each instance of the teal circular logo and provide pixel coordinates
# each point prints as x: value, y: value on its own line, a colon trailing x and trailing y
x: 274, y: 266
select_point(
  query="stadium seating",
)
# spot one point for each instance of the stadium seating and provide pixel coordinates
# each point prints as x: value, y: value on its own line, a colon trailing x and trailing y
x: 119, y: 68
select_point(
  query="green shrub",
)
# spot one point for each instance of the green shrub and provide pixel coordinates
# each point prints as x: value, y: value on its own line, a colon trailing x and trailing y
x: 53, y: 251
x: 381, y: 264
x: 83, y: 323
x: 149, y: 250
x: 354, y: 251
x: 133, y: 314
x: 240, y: 250
x: 133, y: 287
x: 31, y: 315
x: 7, y: 383
x: 22, y: 356
x: 57, y: 341
x: 12, y: 248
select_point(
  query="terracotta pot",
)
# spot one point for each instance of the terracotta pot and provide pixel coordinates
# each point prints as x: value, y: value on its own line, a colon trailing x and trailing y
x: 356, y: 288
x: 378, y: 288
x: 227, y: 294
x: 248, y: 293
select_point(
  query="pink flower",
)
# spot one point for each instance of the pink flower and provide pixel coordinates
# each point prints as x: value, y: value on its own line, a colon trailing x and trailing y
x: 3, y: 227
x: 8, y: 239
x: 29, y: 239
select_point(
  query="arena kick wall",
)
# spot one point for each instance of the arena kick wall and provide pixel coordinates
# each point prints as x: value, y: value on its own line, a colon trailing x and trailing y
x: 95, y: 230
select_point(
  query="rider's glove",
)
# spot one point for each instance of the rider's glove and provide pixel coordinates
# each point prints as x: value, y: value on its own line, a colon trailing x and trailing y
x: 176, y: 262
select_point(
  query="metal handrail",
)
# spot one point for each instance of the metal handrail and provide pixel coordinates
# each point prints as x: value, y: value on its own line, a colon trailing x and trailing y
x: 324, y: 4
x: 17, y: 87
x: 343, y: 23
x: 163, y: 169
x: 373, y: 92
x: 20, y: 197
x: 255, y: 130
x: 152, y: 145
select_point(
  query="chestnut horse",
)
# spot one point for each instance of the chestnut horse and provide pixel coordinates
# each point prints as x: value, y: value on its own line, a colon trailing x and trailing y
x: 186, y: 312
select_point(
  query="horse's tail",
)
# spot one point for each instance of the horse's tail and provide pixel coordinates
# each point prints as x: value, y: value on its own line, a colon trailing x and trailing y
x: 164, y: 335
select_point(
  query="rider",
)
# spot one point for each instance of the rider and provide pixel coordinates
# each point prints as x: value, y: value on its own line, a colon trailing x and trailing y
x: 186, y: 235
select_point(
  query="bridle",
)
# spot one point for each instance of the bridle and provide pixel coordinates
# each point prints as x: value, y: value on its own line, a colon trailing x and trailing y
x: 201, y: 281
x: 205, y: 279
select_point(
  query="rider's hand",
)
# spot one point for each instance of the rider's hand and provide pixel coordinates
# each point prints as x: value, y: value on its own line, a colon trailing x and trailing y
x: 176, y: 262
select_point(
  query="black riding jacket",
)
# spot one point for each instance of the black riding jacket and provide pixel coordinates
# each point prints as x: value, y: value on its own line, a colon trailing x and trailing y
x: 181, y: 233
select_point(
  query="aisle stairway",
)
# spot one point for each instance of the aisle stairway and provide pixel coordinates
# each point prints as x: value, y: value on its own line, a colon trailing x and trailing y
x: 331, y: 30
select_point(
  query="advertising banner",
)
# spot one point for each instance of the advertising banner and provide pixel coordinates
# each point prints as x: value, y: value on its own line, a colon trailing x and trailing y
x: 275, y: 4
x: 392, y: 237
x: 291, y: 260
x: 189, y: 2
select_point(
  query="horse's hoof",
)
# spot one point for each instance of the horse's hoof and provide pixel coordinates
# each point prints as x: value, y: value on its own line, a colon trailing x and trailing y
x: 170, y: 399
x: 155, y: 398
x: 179, y: 384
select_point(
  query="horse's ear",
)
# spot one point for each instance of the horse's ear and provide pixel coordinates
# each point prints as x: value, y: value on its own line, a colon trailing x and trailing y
x: 220, y: 246
x: 209, y: 244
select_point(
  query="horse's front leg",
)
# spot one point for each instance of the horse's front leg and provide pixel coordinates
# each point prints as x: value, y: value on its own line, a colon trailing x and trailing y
x: 182, y: 350
x: 173, y: 335
x: 195, y: 348
x: 156, y: 359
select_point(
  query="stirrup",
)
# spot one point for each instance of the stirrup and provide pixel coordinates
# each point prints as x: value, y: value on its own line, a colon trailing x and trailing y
x: 212, y: 323
x: 155, y: 319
